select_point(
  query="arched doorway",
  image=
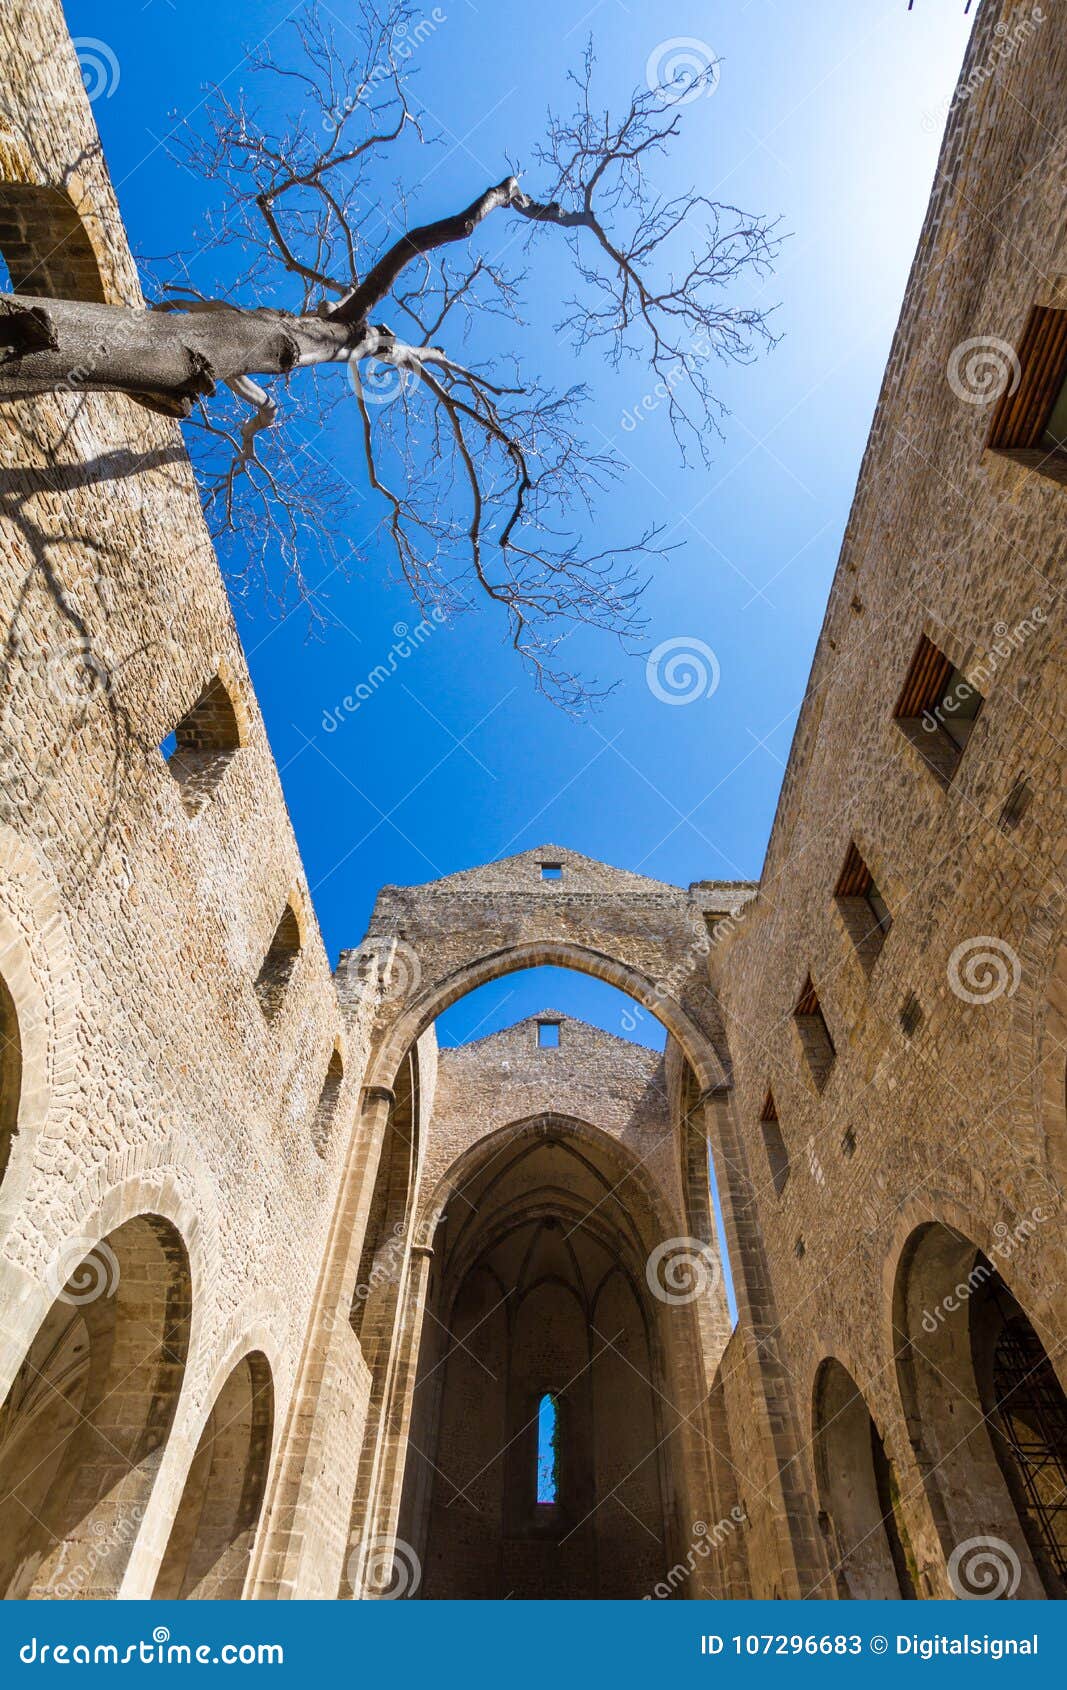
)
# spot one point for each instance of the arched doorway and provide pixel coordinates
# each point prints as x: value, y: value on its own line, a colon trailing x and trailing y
x: 615, y: 945
x: 211, y: 1539
x: 858, y: 1493
x: 83, y: 1427
x: 538, y: 1294
x: 988, y: 1416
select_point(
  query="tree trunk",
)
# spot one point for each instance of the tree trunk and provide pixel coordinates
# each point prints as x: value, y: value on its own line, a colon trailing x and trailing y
x: 169, y: 358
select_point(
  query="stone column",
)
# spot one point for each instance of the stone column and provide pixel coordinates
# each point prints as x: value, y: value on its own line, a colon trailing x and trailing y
x: 310, y: 1507
x: 391, y: 1454
x: 787, y: 1499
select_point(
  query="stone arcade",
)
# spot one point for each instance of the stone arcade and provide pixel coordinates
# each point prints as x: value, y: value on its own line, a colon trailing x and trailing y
x: 870, y: 1044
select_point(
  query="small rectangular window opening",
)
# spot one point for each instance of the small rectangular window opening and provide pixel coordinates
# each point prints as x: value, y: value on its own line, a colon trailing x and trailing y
x: 937, y: 709
x: 911, y: 1015
x: 1030, y: 421
x: 547, y: 1452
x: 815, y: 1037
x: 1015, y: 805
x: 774, y: 1144
x: 548, y: 1034
x: 864, y: 911
x: 551, y: 871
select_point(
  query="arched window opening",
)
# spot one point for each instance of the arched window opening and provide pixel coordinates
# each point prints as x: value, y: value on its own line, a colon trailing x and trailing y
x: 84, y: 1426
x: 45, y: 246
x: 858, y: 1494
x: 986, y: 1411
x: 279, y: 963
x: 1029, y: 1420
x: 547, y: 1452
x: 329, y: 1102
x: 10, y: 1075
x: 211, y: 1540
x: 201, y: 748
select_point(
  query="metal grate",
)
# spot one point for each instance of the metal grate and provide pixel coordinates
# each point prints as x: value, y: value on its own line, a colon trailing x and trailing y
x: 1032, y: 1415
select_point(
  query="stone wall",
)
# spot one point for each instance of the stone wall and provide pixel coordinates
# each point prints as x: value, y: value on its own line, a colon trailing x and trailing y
x: 946, y: 1099
x: 251, y: 1160
x: 132, y: 932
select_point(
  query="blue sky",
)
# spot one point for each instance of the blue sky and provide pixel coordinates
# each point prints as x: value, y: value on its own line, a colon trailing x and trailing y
x: 827, y: 115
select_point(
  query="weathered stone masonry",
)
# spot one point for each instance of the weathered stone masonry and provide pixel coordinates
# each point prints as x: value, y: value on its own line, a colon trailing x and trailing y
x: 281, y: 1283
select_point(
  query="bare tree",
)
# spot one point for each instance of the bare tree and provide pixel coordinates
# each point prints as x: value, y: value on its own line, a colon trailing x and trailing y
x: 335, y: 294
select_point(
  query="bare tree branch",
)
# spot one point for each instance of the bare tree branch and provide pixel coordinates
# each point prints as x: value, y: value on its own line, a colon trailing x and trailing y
x: 331, y: 296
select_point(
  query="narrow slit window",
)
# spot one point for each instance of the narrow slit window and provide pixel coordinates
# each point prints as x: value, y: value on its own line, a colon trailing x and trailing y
x: 1015, y: 805
x: 815, y: 1037
x: 547, y: 1452
x: 864, y: 911
x: 774, y: 1144
x: 911, y: 1016
x: 937, y: 709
